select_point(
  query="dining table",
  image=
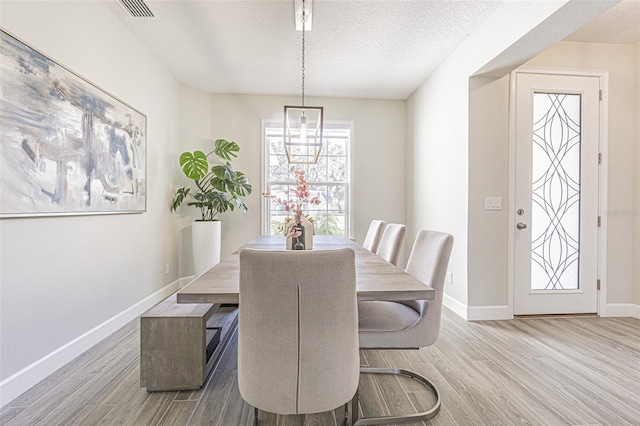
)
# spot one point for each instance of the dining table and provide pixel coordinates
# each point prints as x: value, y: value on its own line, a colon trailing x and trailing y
x: 376, y: 279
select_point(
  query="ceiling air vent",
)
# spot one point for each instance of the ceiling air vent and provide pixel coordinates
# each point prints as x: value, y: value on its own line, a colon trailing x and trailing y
x: 137, y: 8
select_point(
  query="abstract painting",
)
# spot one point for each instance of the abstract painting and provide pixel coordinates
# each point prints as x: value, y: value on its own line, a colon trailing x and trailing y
x: 66, y: 146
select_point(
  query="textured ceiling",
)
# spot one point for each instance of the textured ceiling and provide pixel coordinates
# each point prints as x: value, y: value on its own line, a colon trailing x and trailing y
x: 366, y: 49
x: 620, y: 24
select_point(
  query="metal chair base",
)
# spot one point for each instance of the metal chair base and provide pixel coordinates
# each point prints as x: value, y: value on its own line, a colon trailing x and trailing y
x: 350, y: 415
x: 425, y: 415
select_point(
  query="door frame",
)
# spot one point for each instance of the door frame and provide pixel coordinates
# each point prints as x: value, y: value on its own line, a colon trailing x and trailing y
x: 603, y: 76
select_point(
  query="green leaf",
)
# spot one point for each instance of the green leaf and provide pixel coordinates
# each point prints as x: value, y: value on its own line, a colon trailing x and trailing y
x: 218, y: 201
x: 241, y: 205
x: 225, y: 149
x: 223, y: 178
x: 194, y: 165
x: 243, y: 187
x: 225, y: 172
x: 181, y: 194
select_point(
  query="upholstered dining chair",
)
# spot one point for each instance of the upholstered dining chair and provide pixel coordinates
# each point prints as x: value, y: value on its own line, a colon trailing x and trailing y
x: 391, y: 243
x: 298, y: 331
x: 372, y: 239
x: 409, y: 324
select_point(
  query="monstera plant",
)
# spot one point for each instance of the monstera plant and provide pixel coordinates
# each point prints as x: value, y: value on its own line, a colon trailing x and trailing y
x: 217, y: 189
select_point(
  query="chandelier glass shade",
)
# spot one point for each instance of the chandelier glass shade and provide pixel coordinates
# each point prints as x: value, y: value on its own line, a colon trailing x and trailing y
x: 303, y: 133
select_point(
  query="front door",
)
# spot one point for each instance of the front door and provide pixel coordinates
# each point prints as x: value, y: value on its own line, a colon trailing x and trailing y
x: 556, y: 201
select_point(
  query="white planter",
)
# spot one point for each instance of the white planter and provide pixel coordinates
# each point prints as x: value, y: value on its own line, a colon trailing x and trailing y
x: 205, y: 238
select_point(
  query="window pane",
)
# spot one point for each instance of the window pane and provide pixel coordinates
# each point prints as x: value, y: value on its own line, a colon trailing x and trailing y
x: 278, y: 168
x: 336, y: 147
x: 276, y: 146
x: 317, y: 172
x: 336, y: 169
x: 327, y: 179
x: 328, y: 224
x: 337, y: 198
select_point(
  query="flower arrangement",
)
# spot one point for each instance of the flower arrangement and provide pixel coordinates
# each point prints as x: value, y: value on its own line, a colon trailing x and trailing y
x: 294, y: 205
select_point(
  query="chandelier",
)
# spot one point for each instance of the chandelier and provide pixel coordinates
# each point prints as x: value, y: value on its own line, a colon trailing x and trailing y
x: 303, y: 124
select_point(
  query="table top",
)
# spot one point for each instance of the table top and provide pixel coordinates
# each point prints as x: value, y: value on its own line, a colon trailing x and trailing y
x: 376, y: 279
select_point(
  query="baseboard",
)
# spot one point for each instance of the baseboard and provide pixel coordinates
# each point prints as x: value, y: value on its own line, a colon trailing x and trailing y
x: 23, y: 380
x: 501, y: 312
x: 621, y: 310
x: 482, y: 313
x: 456, y: 306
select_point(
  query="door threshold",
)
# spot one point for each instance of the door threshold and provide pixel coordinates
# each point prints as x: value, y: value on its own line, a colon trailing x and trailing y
x: 535, y: 316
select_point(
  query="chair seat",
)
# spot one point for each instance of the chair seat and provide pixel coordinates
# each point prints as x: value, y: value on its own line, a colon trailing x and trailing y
x: 382, y: 316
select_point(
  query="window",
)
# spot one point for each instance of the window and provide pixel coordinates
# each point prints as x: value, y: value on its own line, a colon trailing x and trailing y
x: 328, y: 179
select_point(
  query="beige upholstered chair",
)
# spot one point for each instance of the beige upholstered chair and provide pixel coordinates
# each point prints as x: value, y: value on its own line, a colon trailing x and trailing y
x: 410, y: 324
x: 372, y: 239
x: 391, y: 243
x: 298, y: 330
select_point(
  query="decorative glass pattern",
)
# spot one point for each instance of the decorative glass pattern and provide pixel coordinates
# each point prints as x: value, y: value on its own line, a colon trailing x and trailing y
x: 555, y: 172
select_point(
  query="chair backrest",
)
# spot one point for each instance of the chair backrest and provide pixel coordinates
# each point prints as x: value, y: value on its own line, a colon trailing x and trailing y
x: 372, y: 239
x: 428, y: 262
x: 298, y: 330
x: 391, y: 243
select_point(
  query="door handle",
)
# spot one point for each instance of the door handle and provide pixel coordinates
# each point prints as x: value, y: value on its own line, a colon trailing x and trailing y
x: 521, y: 225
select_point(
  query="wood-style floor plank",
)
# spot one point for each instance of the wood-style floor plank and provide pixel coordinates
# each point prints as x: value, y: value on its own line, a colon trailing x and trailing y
x: 211, y: 404
x: 453, y: 405
x: 56, y: 397
x: 236, y: 411
x: 178, y: 413
x: 121, y: 413
x: 114, y: 394
x: 90, y: 415
x: 72, y: 406
x: 543, y: 371
x: 370, y: 397
x: 8, y: 413
x: 154, y: 408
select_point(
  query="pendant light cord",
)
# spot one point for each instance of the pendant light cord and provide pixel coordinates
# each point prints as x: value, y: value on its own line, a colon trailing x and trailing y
x: 304, y: 29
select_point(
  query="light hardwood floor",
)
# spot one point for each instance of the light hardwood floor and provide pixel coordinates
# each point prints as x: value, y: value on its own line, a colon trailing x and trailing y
x: 547, y: 371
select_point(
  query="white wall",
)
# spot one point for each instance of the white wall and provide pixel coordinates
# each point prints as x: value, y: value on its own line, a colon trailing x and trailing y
x: 378, y: 151
x: 62, y: 276
x: 195, y: 133
x: 488, y: 177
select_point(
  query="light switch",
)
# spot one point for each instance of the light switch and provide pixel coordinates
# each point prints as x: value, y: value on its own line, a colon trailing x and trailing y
x: 493, y: 203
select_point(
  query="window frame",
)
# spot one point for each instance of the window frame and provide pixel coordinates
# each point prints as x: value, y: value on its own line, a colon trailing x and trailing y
x: 265, y: 210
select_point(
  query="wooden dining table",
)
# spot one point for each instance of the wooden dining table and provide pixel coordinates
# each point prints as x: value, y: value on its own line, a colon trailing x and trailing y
x: 376, y: 279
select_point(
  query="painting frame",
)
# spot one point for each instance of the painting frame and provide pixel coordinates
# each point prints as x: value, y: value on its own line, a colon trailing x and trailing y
x: 67, y: 146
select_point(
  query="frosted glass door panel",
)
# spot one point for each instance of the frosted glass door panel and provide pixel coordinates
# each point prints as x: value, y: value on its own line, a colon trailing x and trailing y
x: 555, y: 207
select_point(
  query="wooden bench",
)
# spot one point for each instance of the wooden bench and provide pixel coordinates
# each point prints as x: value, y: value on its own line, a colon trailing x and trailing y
x: 180, y: 343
